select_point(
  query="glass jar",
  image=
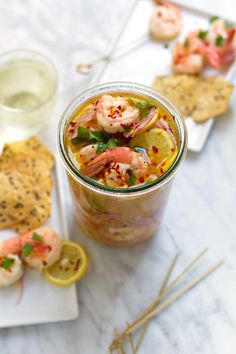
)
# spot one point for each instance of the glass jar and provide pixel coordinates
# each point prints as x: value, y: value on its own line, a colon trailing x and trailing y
x: 119, y: 217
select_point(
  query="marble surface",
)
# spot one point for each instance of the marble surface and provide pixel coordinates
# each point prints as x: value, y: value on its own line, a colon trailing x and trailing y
x: 200, y: 211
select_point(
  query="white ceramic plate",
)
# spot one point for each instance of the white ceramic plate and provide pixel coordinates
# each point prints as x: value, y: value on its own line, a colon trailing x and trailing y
x: 41, y: 301
x: 140, y: 59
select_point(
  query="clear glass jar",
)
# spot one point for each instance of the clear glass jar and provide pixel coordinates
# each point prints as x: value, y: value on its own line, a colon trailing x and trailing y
x: 119, y: 217
x: 28, y: 90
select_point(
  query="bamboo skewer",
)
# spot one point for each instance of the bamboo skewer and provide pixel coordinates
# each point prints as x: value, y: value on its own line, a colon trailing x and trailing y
x: 85, y: 68
x: 164, y: 284
x: 172, y: 285
x: 165, y: 281
x: 156, y: 307
x: 186, y: 270
x: 175, y: 297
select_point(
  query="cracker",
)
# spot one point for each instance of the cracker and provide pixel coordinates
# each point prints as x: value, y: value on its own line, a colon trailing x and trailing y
x: 29, y: 156
x: 31, y: 164
x: 40, y: 211
x: 14, y: 204
x: 212, y: 98
x: 180, y: 89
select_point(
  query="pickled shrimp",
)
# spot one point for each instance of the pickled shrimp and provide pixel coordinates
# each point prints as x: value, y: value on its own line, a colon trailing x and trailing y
x: 216, y: 47
x: 39, y: 248
x: 130, y: 159
x: 165, y: 23
x: 11, y: 270
x: 115, y: 114
x: 220, y: 44
x: 188, y: 57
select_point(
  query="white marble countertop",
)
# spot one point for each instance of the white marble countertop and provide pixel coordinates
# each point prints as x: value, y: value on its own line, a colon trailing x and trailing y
x: 200, y: 212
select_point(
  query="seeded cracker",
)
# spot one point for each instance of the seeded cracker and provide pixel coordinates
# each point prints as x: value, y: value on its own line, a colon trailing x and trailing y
x: 198, y: 97
x: 180, y: 89
x: 14, y: 204
x: 32, y: 163
x: 212, y: 98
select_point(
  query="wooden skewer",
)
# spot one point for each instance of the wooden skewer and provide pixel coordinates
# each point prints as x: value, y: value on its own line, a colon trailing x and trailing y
x: 163, y: 292
x: 150, y: 307
x: 155, y: 302
x: 131, y: 340
x: 85, y: 68
x: 186, y: 270
x: 175, y: 297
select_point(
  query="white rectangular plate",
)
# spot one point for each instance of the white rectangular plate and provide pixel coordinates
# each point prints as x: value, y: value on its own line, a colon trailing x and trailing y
x: 41, y: 301
x: 142, y: 59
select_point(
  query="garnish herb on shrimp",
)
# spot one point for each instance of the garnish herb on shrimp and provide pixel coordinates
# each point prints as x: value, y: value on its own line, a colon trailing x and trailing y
x: 112, y: 146
x: 215, y: 46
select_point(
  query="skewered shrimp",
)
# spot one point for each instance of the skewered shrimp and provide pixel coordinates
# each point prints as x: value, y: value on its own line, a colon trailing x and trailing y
x: 165, y: 23
x: 114, y: 114
x: 217, y: 55
x: 43, y: 250
x: 136, y: 163
x: 188, y: 57
x: 11, y: 274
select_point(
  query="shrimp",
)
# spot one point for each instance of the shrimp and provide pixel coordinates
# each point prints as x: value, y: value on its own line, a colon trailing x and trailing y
x: 114, y: 114
x: 124, y: 155
x: 81, y: 121
x: 11, y: 274
x: 88, y: 153
x: 188, y: 57
x: 39, y: 248
x: 217, y: 55
x: 165, y: 23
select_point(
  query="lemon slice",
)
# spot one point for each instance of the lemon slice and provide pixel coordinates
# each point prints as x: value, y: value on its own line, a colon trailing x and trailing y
x: 159, y: 145
x: 71, y: 266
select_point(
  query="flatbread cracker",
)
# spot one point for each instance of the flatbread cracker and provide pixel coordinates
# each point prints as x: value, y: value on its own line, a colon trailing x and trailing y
x: 198, y: 97
x: 212, y: 98
x: 180, y: 89
x: 40, y: 196
x: 29, y: 156
x: 14, y: 203
x: 31, y: 163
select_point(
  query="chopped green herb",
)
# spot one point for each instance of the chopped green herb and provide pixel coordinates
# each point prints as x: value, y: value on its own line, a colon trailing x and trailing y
x: 105, y: 136
x: 93, y: 136
x: 132, y: 178
x: 166, y: 45
x: 202, y: 35
x: 186, y: 43
x: 214, y: 18
x: 142, y: 106
x: 219, y: 41
x: 7, y: 263
x: 82, y: 134
x: 37, y: 237
x: 27, y: 249
x: 101, y: 147
x: 229, y: 24
x: 112, y: 143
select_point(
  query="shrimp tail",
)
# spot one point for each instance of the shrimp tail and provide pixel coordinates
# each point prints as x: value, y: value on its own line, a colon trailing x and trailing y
x: 96, y: 165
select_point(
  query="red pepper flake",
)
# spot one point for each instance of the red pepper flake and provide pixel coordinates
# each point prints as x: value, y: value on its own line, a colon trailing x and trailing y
x: 141, y: 179
x: 164, y: 117
x: 155, y: 149
x: 161, y: 170
x: 172, y: 149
